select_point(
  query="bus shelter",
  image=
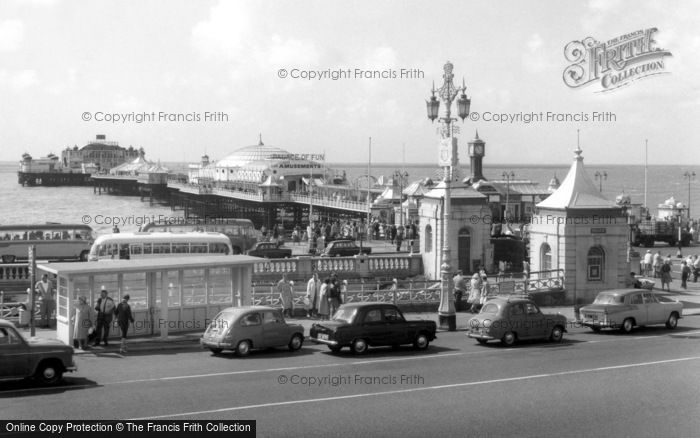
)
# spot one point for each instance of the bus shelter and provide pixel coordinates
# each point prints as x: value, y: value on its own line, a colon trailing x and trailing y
x: 167, y: 295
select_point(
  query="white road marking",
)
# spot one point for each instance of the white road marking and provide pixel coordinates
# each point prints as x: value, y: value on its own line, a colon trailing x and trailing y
x: 428, y: 388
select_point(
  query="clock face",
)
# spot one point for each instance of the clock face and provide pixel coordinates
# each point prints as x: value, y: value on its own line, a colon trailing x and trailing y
x: 479, y: 149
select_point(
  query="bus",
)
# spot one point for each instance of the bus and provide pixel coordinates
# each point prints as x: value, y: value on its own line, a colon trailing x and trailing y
x: 158, y: 244
x: 52, y: 241
x: 241, y: 232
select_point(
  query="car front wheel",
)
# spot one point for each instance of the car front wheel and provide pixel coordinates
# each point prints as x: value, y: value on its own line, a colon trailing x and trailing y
x: 508, y: 339
x: 557, y: 334
x: 421, y: 342
x: 359, y: 346
x: 672, y: 321
x: 627, y: 325
x: 243, y: 348
x: 49, y: 373
x: 296, y: 342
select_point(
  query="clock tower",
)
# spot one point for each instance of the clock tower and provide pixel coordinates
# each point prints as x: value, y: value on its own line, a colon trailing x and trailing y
x: 476, y: 157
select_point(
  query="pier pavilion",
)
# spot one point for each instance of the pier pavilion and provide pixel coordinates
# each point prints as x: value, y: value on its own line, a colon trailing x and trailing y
x: 583, y: 233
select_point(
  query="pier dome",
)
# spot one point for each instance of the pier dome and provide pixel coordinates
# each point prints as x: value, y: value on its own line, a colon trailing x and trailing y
x: 250, y: 154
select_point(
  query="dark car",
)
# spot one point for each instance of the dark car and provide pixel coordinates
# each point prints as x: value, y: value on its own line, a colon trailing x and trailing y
x: 364, y: 325
x: 344, y: 248
x: 270, y: 250
x: 242, y: 329
x: 45, y: 360
x: 512, y: 319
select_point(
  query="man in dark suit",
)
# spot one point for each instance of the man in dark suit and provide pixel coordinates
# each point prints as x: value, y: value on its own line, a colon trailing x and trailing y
x: 105, y: 311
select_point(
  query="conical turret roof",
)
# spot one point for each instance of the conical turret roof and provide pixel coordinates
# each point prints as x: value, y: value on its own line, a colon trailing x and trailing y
x: 577, y: 191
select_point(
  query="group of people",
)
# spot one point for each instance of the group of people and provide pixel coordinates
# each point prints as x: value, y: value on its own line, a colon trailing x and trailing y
x: 662, y: 267
x: 477, y: 292
x: 102, y: 314
x: 322, y: 298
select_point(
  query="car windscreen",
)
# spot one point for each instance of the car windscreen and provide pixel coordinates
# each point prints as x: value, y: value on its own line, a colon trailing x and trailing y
x: 345, y: 314
x: 489, y: 308
x: 609, y: 299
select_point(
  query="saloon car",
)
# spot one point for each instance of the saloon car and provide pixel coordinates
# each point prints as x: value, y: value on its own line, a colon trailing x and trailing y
x: 45, y: 360
x: 363, y: 325
x: 270, y: 250
x: 344, y: 248
x: 245, y: 328
x: 512, y: 319
x: 626, y: 308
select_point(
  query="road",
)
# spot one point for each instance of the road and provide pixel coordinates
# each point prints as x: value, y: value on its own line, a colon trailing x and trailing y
x: 643, y: 384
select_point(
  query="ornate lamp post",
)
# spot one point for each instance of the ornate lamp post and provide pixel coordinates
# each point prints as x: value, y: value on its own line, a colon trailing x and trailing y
x: 689, y: 176
x: 600, y: 177
x: 508, y: 176
x: 448, y: 157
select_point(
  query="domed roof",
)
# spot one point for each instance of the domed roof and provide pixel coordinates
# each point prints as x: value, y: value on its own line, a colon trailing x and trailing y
x: 249, y: 154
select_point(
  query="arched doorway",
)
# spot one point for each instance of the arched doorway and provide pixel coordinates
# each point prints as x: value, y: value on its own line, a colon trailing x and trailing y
x: 545, y: 258
x: 464, y: 250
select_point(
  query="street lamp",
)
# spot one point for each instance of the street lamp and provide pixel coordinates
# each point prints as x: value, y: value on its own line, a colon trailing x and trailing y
x: 600, y: 177
x: 400, y: 177
x: 447, y: 93
x: 508, y: 177
x: 689, y: 176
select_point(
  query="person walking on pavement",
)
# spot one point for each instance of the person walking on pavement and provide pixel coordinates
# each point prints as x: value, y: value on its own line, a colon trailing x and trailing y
x: 82, y: 322
x: 44, y: 288
x: 648, y: 261
x: 658, y: 261
x: 666, y: 275
x: 460, y: 289
x: 313, y: 288
x: 124, y: 317
x: 323, y: 296
x: 474, y: 292
x: 284, y: 288
x: 685, y: 273
x: 105, y: 313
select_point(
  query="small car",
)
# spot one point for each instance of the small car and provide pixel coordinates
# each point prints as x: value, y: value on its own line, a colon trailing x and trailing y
x: 270, y: 250
x: 43, y: 359
x: 344, y: 248
x: 626, y: 308
x: 363, y: 325
x: 244, y: 328
x: 512, y: 319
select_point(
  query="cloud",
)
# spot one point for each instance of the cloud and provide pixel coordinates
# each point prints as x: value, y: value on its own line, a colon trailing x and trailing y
x: 18, y: 80
x: 225, y: 32
x: 536, y: 58
x: 11, y: 35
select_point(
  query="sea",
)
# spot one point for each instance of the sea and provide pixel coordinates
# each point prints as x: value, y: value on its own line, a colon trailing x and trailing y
x: 38, y: 205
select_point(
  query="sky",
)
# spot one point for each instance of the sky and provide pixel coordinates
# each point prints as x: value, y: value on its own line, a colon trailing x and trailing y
x: 66, y: 67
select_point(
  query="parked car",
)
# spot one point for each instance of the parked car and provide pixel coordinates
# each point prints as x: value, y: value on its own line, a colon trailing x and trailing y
x: 270, y: 250
x: 242, y: 329
x: 626, y: 308
x: 363, y: 325
x: 515, y: 319
x: 344, y: 248
x: 45, y: 360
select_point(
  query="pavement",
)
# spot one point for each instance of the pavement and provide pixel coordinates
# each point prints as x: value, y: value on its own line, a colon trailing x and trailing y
x: 689, y: 297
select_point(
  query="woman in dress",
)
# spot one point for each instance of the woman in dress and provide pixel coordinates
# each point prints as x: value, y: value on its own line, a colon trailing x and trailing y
x: 474, y: 292
x: 82, y: 319
x: 323, y: 306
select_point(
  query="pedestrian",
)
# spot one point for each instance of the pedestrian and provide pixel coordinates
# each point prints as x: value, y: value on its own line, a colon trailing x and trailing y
x: 685, y: 273
x: 485, y: 290
x: 474, y: 292
x: 295, y: 235
x: 105, y: 312
x: 460, y: 289
x: 334, y: 296
x: 115, y: 229
x: 696, y: 269
x: 648, y: 261
x: 284, y: 288
x: 82, y: 323
x: 399, y: 239
x: 526, y: 269
x: 323, y: 305
x: 44, y: 288
x: 666, y: 275
x: 313, y: 288
x: 657, y: 262
x: 124, y: 317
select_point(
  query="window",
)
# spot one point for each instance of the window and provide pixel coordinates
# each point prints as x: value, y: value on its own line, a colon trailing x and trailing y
x: 636, y: 299
x: 251, y: 319
x: 392, y: 315
x: 545, y: 257
x: 531, y: 309
x: 374, y: 315
x: 517, y: 309
x: 650, y: 298
x: 596, y: 261
x: 272, y: 317
x: 8, y: 336
x: 428, y: 238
